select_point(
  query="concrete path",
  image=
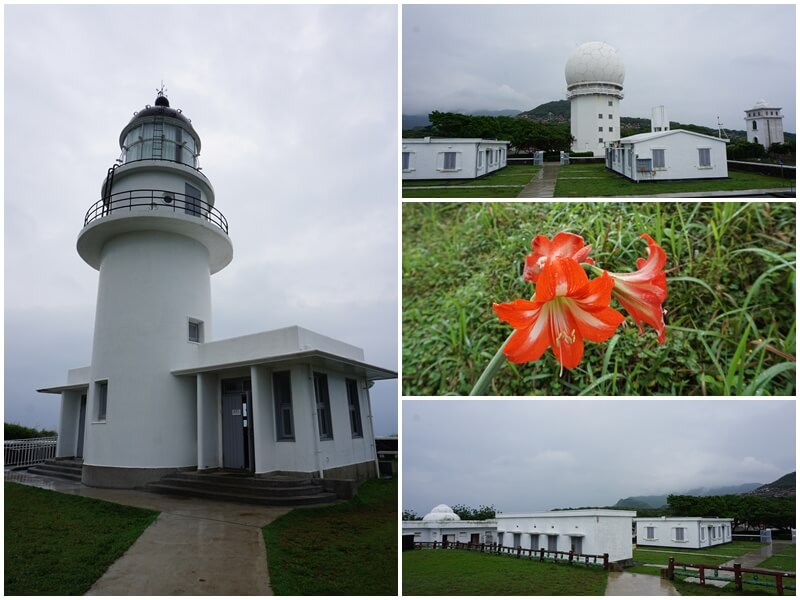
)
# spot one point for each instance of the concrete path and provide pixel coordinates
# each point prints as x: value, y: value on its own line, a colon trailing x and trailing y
x: 636, y: 584
x: 196, y: 547
x: 544, y: 184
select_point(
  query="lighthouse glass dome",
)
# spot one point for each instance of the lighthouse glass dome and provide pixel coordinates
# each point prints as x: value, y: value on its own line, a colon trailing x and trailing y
x: 176, y: 143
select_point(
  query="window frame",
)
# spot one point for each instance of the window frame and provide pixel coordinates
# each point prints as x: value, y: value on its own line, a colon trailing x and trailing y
x: 700, y: 164
x: 354, y: 408
x: 322, y: 398
x: 445, y: 156
x: 199, y: 325
x: 101, y: 401
x: 663, y: 154
x: 282, y: 405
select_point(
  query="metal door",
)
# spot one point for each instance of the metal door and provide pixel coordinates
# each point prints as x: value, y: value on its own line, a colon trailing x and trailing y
x: 577, y: 545
x: 233, y: 439
x: 81, y: 428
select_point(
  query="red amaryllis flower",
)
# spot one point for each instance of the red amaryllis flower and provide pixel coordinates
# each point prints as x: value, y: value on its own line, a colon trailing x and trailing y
x: 642, y: 292
x: 563, y: 244
x: 567, y: 308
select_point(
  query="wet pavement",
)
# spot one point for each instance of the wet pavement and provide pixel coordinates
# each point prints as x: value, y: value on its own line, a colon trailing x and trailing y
x: 636, y: 584
x: 195, y: 547
x: 543, y: 185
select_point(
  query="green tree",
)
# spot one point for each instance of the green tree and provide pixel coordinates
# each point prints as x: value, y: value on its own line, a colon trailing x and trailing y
x: 14, y: 431
x: 474, y: 514
x: 410, y: 515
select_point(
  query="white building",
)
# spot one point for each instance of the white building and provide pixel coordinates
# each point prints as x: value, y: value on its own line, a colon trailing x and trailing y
x: 666, y: 155
x: 452, y: 158
x: 161, y: 394
x: 442, y: 524
x: 764, y: 124
x: 584, y: 531
x: 594, y: 74
x: 683, y: 532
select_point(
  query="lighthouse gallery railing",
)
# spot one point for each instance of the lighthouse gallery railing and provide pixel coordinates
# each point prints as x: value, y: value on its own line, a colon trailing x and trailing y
x: 156, y: 200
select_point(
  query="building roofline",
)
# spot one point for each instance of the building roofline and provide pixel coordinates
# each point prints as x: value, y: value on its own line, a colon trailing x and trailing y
x: 430, y: 140
x: 643, y: 137
x: 578, y: 512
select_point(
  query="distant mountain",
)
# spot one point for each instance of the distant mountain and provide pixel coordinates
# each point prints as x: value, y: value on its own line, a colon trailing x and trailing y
x: 659, y: 501
x: 415, y: 121
x: 642, y: 502
x: 419, y: 121
x: 785, y: 487
x: 723, y: 490
x: 557, y: 111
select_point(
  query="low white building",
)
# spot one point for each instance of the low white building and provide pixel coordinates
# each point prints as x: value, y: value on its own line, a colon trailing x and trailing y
x: 452, y: 158
x: 442, y: 524
x: 584, y: 531
x: 668, y: 155
x: 683, y: 532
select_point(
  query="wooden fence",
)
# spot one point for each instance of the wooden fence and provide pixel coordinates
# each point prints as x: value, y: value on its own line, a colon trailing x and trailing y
x: 529, y: 553
x: 736, y: 569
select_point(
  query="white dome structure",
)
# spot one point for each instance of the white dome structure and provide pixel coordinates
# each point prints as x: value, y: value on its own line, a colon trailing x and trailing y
x: 594, y: 73
x: 441, y: 513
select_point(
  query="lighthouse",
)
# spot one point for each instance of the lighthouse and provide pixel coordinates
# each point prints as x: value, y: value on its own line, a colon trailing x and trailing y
x: 156, y: 237
x: 594, y: 74
x: 163, y: 403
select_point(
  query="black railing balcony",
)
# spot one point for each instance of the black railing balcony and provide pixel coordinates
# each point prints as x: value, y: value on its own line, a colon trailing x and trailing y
x: 156, y: 200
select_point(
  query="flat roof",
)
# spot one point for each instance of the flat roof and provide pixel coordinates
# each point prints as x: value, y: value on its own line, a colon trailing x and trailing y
x: 578, y: 512
x: 643, y: 137
x: 430, y: 140
x: 684, y: 519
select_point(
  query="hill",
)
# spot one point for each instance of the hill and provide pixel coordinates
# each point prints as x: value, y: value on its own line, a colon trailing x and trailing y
x: 661, y: 500
x: 785, y: 487
x: 557, y: 111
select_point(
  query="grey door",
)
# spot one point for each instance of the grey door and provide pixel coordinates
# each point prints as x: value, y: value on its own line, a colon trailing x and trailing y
x: 232, y: 432
x: 552, y: 543
x: 81, y: 427
x: 192, y: 206
x: 577, y: 545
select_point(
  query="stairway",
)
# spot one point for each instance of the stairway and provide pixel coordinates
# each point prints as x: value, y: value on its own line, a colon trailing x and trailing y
x: 272, y: 490
x: 62, y: 468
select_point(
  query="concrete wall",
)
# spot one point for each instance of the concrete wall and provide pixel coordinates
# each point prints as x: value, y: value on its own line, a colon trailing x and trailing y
x: 696, y: 532
x: 426, y: 158
x: 585, y: 122
x: 681, y: 158
x: 68, y: 424
x: 457, y: 531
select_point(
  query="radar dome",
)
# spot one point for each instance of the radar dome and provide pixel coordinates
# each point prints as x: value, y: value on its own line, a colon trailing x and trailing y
x: 594, y: 62
x: 441, y: 513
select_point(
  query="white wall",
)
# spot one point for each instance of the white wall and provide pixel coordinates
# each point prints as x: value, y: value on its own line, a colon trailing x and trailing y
x: 69, y: 421
x: 696, y: 534
x: 426, y: 158
x: 459, y: 531
x: 585, y: 122
x: 681, y: 157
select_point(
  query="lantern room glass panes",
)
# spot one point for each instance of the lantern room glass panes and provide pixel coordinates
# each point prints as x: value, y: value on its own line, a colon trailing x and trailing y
x: 160, y: 141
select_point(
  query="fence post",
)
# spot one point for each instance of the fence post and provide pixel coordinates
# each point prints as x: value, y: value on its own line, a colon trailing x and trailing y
x: 434, y: 544
x: 541, y: 554
x: 570, y: 557
x: 519, y: 551
x: 737, y: 574
x: 605, y: 561
x: 779, y: 583
x: 702, y: 574
x: 483, y: 545
x: 671, y: 569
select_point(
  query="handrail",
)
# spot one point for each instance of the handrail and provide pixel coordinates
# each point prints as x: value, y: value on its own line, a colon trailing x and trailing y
x: 156, y: 200
x: 21, y: 453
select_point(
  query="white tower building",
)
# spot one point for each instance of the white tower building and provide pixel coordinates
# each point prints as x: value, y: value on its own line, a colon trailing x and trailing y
x: 594, y: 74
x: 155, y: 238
x: 764, y: 124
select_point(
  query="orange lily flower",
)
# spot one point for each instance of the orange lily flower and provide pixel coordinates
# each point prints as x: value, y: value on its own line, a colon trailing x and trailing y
x: 642, y: 292
x: 567, y: 308
x: 563, y: 244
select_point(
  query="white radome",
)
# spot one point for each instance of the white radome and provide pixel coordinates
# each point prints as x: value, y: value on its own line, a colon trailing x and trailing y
x: 441, y: 513
x: 594, y: 62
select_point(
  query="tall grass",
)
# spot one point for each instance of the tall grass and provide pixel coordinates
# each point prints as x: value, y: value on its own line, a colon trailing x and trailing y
x: 731, y: 319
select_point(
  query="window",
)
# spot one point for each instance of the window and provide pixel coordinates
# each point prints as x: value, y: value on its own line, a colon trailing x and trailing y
x: 600, y: 115
x: 755, y: 125
x: 355, y: 408
x: 534, y: 541
x: 406, y: 160
x: 195, y: 331
x: 449, y: 161
x: 101, y: 393
x: 649, y: 533
x: 323, y: 406
x: 480, y: 159
x: 282, y: 391
x: 658, y: 158
x: 679, y: 534
x: 611, y: 103
x: 600, y: 129
x: 704, y: 157
x: 599, y: 140
x: 610, y: 117
x: 611, y: 128
x: 517, y: 538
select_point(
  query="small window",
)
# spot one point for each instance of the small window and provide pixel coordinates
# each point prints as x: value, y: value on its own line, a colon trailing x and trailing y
x: 679, y: 534
x: 610, y: 117
x: 600, y: 115
x: 755, y: 125
x: 704, y: 157
x: 480, y: 159
x: 282, y: 389
x: 355, y: 408
x: 611, y: 103
x: 600, y: 129
x: 611, y: 129
x: 323, y: 406
x: 659, y: 160
x: 406, y: 160
x: 599, y: 140
x: 650, y: 533
x: 195, y: 331
x: 449, y: 161
x: 101, y: 391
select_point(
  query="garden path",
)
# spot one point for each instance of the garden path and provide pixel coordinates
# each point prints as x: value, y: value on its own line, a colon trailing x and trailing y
x: 196, y: 547
x: 544, y: 184
x: 625, y: 583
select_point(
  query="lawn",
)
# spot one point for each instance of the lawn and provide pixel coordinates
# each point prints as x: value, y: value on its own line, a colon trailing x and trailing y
x: 716, y: 555
x: 58, y: 544
x: 516, y: 176
x: 464, y: 573
x: 730, y: 270
x: 786, y: 560
x: 592, y: 180
x: 345, y: 549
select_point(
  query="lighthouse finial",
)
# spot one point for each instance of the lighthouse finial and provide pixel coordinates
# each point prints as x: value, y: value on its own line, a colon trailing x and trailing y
x: 161, y: 98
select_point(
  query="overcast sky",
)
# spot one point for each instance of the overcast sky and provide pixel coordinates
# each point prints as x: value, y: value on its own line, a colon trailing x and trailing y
x: 699, y: 61
x: 296, y: 108
x: 531, y: 455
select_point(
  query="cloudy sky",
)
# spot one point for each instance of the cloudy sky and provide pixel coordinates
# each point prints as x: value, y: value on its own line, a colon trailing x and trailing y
x: 530, y: 455
x: 296, y: 108
x: 699, y: 61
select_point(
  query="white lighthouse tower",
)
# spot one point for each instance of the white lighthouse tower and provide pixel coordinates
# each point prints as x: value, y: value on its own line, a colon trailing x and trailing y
x: 764, y: 124
x: 155, y: 237
x: 594, y: 74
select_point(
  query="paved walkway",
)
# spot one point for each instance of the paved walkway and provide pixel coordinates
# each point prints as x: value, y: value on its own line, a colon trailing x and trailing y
x: 196, y: 547
x: 636, y: 584
x: 544, y: 184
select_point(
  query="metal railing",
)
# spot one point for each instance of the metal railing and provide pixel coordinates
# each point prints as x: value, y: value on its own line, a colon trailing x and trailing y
x: 156, y: 200
x: 570, y: 557
x: 22, y: 453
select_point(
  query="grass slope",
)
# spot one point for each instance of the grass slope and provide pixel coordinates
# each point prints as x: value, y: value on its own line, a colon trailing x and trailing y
x: 730, y: 268
x: 346, y: 549
x: 58, y: 544
x: 592, y: 180
x: 516, y: 176
x: 463, y: 573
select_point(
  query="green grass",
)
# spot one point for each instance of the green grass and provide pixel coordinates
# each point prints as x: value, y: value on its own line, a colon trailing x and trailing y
x: 346, y: 549
x: 716, y: 555
x: 604, y: 182
x: 731, y: 321
x: 517, y: 176
x: 58, y: 544
x: 786, y: 560
x: 464, y: 573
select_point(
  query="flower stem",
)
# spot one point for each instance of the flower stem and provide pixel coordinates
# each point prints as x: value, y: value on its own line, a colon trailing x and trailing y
x: 498, y: 360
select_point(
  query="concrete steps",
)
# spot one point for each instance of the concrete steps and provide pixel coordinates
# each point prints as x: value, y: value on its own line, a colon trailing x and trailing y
x: 273, y: 490
x: 62, y: 468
